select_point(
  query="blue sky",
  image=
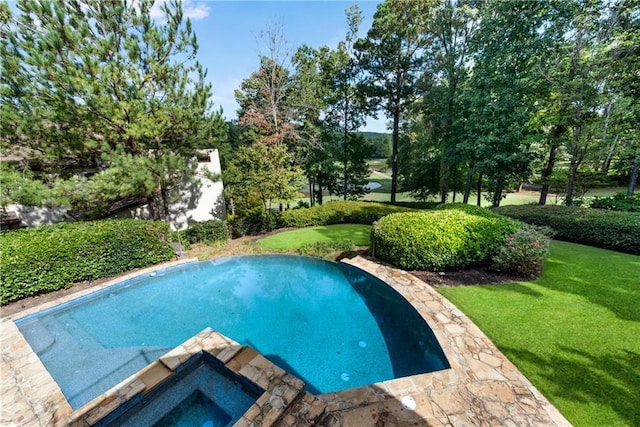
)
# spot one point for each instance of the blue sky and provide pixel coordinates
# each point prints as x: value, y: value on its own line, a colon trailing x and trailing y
x: 229, y: 31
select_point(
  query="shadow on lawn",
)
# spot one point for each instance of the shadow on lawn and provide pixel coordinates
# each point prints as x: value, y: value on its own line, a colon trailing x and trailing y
x: 600, y: 283
x: 515, y: 287
x: 588, y: 379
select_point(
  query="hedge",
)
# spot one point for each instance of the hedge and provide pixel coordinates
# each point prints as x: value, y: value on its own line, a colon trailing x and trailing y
x: 49, y: 258
x: 618, y: 202
x: 619, y: 231
x: 338, y: 212
x: 436, y: 240
x: 214, y: 230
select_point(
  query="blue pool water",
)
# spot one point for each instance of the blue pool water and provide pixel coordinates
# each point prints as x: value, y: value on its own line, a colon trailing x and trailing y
x: 196, y: 410
x: 331, y: 324
x: 202, y: 394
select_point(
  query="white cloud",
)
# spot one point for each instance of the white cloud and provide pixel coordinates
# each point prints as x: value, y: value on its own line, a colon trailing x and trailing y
x: 196, y: 11
x: 190, y: 10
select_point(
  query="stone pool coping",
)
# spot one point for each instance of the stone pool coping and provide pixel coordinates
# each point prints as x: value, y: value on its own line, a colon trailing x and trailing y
x: 482, y: 387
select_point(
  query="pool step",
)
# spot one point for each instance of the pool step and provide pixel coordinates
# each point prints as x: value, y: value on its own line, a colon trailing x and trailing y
x: 116, y: 366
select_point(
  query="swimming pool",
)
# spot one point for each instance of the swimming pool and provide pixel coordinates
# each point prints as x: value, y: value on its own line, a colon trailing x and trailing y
x: 331, y: 324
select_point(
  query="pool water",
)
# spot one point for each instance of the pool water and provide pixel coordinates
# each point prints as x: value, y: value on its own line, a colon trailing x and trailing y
x: 201, y: 393
x: 195, y: 410
x: 331, y: 324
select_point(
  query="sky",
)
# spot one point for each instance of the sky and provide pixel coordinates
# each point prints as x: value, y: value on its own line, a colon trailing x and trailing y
x: 228, y: 33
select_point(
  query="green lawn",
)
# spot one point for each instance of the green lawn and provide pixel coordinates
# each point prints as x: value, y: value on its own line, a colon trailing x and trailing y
x: 574, y: 332
x: 293, y: 239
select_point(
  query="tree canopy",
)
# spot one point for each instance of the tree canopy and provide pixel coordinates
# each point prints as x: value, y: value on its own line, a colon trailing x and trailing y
x: 103, y: 101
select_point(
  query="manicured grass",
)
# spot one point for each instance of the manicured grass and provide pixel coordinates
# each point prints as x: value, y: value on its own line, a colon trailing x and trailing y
x: 359, y: 234
x: 574, y: 332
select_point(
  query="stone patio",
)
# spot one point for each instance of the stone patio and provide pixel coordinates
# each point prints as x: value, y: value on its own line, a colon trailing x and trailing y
x: 481, y: 388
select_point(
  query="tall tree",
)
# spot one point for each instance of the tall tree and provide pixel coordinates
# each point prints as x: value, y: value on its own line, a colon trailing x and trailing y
x: 98, y: 85
x: 501, y: 95
x: 436, y: 131
x: 392, y: 59
x: 622, y: 53
x: 346, y: 105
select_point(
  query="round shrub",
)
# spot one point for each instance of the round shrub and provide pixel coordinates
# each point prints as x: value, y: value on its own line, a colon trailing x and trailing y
x: 523, y: 253
x: 439, y: 240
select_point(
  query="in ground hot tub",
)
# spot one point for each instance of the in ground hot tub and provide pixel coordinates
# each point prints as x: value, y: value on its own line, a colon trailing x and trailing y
x: 201, y: 392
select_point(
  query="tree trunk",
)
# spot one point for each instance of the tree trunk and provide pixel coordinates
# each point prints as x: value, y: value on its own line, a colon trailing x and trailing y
x: 164, y: 194
x: 153, y: 208
x: 444, y: 178
x: 311, y: 192
x: 573, y: 172
x: 607, y: 161
x: 319, y: 193
x: 394, y: 155
x: 546, y: 175
x: 497, y: 194
x: 479, y: 190
x: 633, y: 179
x: 467, y: 185
x: 344, y: 146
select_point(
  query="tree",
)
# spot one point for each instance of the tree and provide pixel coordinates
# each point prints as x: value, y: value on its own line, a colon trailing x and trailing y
x: 101, y: 87
x: 264, y: 172
x: 392, y: 58
x: 346, y: 105
x: 501, y: 94
x: 623, y: 55
x: 265, y: 97
x: 308, y: 105
x: 436, y: 120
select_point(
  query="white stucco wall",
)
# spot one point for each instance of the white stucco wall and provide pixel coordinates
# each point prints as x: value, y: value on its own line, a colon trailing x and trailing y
x: 33, y: 216
x: 204, y: 200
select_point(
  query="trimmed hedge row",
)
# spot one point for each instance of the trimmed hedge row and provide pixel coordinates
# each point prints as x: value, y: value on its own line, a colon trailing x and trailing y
x: 607, y: 229
x: 444, y: 239
x: 338, y: 212
x: 49, y: 258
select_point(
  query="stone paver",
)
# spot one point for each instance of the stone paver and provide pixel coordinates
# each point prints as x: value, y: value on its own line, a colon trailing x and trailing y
x: 482, y: 387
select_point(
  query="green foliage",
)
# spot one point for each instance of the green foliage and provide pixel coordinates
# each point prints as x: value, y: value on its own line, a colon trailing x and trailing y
x: 392, y: 57
x: 523, y: 253
x: 206, y: 232
x: 595, y: 227
x: 48, y: 258
x: 618, y: 202
x: 104, y: 88
x: 338, y: 212
x: 20, y: 187
x: 470, y: 209
x: 327, y: 250
x: 381, y: 144
x: 416, y: 205
x: 439, y: 240
x: 253, y: 222
x: 262, y: 173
